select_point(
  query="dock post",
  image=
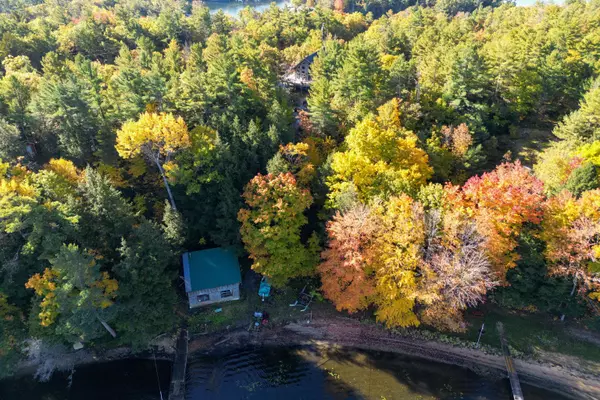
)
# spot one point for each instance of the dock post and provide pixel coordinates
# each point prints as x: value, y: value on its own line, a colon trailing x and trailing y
x: 515, y: 385
x: 177, y: 386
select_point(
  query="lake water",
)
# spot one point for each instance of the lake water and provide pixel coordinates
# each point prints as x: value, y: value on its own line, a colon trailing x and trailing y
x: 306, y: 373
x: 289, y: 373
x: 116, y: 380
x: 234, y: 7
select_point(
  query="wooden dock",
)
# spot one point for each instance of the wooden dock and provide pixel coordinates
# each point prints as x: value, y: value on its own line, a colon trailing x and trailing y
x: 515, y: 385
x: 177, y: 386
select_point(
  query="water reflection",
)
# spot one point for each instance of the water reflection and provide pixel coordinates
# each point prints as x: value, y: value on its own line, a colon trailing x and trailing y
x: 311, y: 373
x: 288, y: 373
x: 232, y: 8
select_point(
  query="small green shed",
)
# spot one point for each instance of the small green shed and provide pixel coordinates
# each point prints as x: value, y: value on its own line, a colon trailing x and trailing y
x: 211, y: 276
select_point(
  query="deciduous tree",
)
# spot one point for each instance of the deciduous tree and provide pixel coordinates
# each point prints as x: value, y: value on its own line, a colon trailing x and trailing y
x: 571, y: 228
x: 74, y: 295
x: 396, y: 259
x: 382, y: 158
x: 157, y: 137
x: 456, y: 269
x: 271, y: 225
x: 501, y: 202
x: 346, y: 272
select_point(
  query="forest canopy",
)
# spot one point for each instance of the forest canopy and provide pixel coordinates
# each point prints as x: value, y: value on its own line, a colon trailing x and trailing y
x: 441, y: 157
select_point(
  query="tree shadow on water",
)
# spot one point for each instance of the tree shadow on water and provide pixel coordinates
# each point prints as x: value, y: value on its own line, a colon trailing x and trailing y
x: 380, y: 375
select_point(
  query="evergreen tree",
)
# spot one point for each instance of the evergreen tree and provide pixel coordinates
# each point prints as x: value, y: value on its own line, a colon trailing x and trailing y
x: 146, y: 299
x: 173, y: 226
x: 11, y: 144
x: 583, y: 179
x: 360, y: 82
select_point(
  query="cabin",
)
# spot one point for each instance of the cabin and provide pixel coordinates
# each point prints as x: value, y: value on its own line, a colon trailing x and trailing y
x: 211, y: 276
x: 299, y: 75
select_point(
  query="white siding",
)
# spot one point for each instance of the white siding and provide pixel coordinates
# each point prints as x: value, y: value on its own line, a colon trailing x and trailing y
x: 214, y: 295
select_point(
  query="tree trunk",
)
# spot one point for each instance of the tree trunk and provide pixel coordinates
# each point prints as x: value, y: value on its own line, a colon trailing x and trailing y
x: 162, y: 173
x: 562, y: 317
x: 107, y: 327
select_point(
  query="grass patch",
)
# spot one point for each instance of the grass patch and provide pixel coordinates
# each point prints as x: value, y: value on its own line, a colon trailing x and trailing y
x: 529, y: 333
x: 206, y: 320
x: 239, y: 313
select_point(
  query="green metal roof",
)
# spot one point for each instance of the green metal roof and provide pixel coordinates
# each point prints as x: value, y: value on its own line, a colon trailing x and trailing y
x: 210, y: 268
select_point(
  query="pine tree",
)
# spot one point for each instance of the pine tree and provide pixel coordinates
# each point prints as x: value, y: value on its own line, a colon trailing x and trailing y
x: 360, y: 82
x: 173, y: 226
x: 146, y: 297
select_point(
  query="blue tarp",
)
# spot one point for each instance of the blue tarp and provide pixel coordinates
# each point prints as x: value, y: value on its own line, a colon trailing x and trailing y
x: 265, y: 288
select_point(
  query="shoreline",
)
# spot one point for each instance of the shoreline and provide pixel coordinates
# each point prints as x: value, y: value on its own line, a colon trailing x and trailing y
x: 576, y: 381
x: 348, y: 333
x: 163, y: 351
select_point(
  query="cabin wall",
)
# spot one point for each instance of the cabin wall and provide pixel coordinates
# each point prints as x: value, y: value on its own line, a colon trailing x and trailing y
x: 214, y: 295
x: 302, y: 70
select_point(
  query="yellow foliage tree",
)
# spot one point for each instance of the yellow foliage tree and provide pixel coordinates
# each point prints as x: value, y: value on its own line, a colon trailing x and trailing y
x: 59, y: 178
x: 382, y: 158
x: 73, y: 292
x: 396, y: 258
x: 155, y: 136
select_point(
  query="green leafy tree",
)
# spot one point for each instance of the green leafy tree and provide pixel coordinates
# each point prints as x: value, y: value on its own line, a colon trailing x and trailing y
x: 271, y: 225
x: 583, y: 125
x: 17, y: 87
x: 583, y: 179
x: 173, y: 226
x: 11, y: 144
x: 109, y: 216
x: 74, y: 295
x: 12, y: 332
x: 322, y: 114
x: 63, y: 103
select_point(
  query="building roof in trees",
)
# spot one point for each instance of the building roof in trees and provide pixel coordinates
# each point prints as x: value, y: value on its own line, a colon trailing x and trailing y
x: 210, y: 268
x: 299, y: 75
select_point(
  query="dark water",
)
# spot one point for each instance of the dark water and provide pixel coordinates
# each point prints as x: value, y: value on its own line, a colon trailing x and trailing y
x: 116, y: 380
x: 309, y: 373
x: 287, y: 373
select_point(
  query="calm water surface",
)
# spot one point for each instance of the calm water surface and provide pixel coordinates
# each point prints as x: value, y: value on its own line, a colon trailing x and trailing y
x: 116, y: 380
x: 234, y: 7
x: 288, y: 373
x: 309, y: 373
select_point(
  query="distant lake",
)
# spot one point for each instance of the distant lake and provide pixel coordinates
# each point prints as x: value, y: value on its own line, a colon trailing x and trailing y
x: 232, y: 8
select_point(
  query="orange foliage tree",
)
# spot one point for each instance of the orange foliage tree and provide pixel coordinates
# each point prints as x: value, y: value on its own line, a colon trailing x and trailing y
x: 571, y: 230
x: 348, y: 279
x: 501, y: 202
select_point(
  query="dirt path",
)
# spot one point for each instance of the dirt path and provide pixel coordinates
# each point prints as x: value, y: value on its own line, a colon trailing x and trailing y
x: 575, y: 383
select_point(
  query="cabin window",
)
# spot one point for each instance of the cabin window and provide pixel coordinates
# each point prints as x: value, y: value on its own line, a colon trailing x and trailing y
x: 226, y: 293
x: 203, y: 297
